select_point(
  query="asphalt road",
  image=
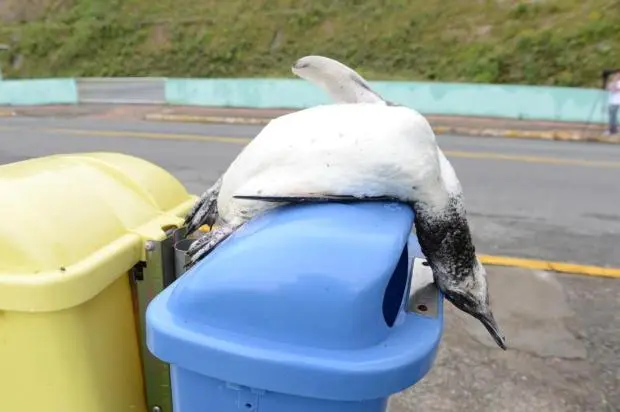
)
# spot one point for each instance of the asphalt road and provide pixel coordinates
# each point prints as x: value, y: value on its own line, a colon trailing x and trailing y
x: 525, y: 198
x: 548, y: 200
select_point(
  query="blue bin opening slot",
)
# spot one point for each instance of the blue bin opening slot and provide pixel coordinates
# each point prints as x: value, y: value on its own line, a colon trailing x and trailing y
x: 395, y: 291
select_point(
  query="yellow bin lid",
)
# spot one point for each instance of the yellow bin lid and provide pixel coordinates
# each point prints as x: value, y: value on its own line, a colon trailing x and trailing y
x: 74, y: 223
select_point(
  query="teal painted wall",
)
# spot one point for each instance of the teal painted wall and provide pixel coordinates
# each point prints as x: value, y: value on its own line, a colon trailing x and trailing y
x: 507, y: 101
x: 38, y: 92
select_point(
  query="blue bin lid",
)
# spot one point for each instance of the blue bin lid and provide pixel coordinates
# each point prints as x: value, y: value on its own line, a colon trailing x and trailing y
x: 307, y: 300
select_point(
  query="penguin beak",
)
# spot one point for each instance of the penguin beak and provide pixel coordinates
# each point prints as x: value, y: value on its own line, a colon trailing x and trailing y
x: 489, y: 322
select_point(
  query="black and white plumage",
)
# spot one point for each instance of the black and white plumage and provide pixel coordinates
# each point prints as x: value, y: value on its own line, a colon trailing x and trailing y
x: 342, y: 84
x: 350, y: 152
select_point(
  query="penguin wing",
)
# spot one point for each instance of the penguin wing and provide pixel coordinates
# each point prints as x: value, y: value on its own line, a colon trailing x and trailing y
x: 317, y: 198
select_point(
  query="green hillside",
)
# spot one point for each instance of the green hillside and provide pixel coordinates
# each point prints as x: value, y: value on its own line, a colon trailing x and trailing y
x: 560, y: 42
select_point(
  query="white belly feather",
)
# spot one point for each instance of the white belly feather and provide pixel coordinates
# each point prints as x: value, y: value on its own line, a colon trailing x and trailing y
x: 352, y: 149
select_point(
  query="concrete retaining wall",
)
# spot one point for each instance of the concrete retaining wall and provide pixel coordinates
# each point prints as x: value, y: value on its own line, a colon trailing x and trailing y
x: 38, y: 92
x: 506, y: 101
x: 459, y: 99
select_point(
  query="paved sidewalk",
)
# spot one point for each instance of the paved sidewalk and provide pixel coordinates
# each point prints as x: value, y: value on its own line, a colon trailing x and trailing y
x: 561, y: 332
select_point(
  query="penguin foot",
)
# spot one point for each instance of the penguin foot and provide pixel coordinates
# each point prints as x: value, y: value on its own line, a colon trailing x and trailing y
x: 204, y: 211
x: 205, y: 244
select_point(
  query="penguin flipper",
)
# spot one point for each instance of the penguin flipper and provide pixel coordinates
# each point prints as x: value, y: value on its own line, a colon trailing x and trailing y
x: 317, y: 198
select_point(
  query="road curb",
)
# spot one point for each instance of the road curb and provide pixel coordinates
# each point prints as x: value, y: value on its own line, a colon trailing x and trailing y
x: 550, y: 266
x: 7, y: 113
x: 206, y: 119
x: 556, y: 135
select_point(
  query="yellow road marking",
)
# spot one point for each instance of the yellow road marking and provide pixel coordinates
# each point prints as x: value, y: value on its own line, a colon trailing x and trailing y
x: 533, y: 159
x: 245, y: 140
x: 562, y: 267
x: 152, y: 135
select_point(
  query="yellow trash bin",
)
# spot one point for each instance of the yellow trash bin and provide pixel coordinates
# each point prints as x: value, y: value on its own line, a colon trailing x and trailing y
x: 73, y: 228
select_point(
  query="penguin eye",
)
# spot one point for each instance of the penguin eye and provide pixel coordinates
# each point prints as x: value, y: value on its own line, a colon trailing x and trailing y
x: 449, y: 296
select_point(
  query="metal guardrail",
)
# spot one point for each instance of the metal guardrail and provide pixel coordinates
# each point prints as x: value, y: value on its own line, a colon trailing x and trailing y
x: 122, y: 90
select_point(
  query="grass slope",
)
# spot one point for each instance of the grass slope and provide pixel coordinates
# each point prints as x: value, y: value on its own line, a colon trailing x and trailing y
x: 553, y: 42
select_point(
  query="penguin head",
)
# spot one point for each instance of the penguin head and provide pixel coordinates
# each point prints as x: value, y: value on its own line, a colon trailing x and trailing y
x: 469, y: 292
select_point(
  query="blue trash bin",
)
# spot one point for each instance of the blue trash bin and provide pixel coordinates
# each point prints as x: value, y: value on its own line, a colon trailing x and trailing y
x: 305, y: 309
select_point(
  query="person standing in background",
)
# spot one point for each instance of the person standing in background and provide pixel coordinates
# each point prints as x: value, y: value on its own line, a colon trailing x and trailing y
x: 613, y: 86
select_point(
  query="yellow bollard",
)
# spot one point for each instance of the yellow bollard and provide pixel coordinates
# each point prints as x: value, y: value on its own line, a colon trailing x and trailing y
x: 73, y: 231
